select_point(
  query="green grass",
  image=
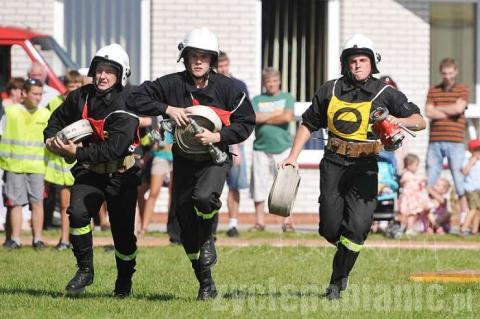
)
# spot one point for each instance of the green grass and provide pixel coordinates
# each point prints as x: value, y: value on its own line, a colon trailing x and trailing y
x: 253, y: 282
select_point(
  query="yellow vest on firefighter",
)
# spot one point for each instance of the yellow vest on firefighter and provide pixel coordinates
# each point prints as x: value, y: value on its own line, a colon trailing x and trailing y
x: 350, y: 120
x: 21, y: 147
x: 57, y: 170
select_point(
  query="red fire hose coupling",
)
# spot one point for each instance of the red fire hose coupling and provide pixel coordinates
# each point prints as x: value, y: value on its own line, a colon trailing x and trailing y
x: 390, y: 134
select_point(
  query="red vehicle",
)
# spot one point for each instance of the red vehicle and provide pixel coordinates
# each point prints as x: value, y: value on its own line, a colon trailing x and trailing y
x: 20, y: 47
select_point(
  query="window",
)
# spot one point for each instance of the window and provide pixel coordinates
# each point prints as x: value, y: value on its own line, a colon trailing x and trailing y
x: 453, y: 34
x: 92, y: 24
x: 294, y: 42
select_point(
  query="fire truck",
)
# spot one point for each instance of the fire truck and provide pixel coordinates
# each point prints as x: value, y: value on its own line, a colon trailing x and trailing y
x: 20, y: 47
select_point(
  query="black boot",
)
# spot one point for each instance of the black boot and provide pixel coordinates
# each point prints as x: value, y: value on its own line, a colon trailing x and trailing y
x: 208, y: 253
x: 82, y: 249
x: 207, y: 288
x: 83, y: 277
x: 343, y: 263
x: 332, y: 292
x: 123, y: 287
x: 123, y: 284
x: 202, y: 266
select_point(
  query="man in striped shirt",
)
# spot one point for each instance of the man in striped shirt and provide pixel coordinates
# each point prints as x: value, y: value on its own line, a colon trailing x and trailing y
x: 446, y: 104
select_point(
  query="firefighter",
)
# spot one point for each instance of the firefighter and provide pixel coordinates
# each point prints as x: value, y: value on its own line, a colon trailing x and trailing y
x: 105, y: 168
x: 348, y: 170
x: 197, y: 180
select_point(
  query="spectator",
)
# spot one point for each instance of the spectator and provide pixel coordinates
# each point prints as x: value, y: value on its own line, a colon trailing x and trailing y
x: 24, y: 165
x: 57, y: 173
x: 153, y: 167
x: 85, y: 78
x: 438, y: 217
x: 446, y: 104
x: 158, y: 170
x: 413, y: 195
x: 100, y: 220
x: 3, y: 210
x: 38, y: 71
x: 143, y: 152
x: 149, y: 142
x: 471, y: 170
x: 274, y: 111
x: 14, y: 89
x: 237, y: 176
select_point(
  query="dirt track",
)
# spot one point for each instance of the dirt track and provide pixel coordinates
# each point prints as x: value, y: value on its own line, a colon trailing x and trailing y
x: 240, y: 242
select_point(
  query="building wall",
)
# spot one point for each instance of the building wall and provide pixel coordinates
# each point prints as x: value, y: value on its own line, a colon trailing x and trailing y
x: 35, y: 14
x: 233, y: 21
x: 400, y: 30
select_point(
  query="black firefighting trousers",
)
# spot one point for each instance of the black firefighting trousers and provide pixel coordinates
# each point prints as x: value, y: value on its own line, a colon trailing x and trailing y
x: 348, y: 192
x: 87, y: 195
x: 197, y: 187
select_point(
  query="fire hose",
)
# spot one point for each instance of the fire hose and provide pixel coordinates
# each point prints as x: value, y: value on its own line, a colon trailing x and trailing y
x: 218, y: 156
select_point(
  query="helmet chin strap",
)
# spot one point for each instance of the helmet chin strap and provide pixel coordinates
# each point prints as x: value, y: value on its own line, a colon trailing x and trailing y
x: 103, y: 92
x: 352, y: 79
x: 204, y: 78
x: 349, y: 74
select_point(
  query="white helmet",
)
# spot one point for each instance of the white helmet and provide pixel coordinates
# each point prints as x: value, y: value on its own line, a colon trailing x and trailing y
x: 360, y: 44
x: 115, y: 55
x: 202, y: 39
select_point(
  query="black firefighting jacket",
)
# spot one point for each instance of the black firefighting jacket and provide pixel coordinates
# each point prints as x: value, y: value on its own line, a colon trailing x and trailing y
x: 177, y: 90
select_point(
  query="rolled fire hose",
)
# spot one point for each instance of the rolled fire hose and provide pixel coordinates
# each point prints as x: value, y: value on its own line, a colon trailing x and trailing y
x: 283, y: 192
x: 76, y: 132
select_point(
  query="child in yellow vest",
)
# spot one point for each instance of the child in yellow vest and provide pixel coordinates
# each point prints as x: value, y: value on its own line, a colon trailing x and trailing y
x: 58, y: 170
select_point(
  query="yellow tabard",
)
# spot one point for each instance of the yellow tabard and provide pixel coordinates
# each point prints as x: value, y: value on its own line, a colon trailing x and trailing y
x: 349, y: 120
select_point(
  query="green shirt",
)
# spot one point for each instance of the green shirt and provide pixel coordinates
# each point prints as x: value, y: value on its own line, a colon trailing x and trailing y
x: 272, y: 138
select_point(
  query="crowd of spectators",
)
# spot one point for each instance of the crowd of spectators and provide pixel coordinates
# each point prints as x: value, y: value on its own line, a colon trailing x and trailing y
x: 440, y: 203
x: 424, y: 202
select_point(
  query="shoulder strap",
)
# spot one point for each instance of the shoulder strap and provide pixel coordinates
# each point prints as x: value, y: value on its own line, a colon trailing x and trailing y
x: 124, y: 112
x: 85, y: 108
x: 333, y: 90
x: 380, y: 92
x: 240, y: 102
x: 194, y: 100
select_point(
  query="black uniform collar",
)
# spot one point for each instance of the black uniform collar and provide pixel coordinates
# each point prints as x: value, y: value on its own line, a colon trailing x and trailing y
x: 368, y: 86
x: 205, y: 96
x: 109, y: 96
x: 191, y: 83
